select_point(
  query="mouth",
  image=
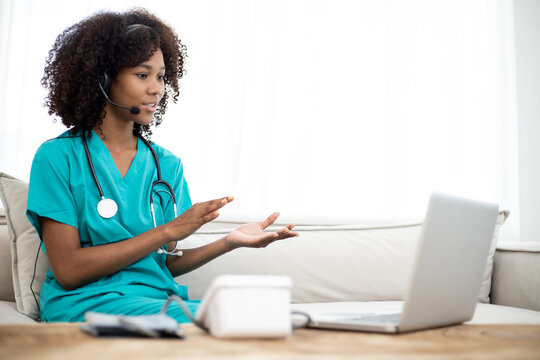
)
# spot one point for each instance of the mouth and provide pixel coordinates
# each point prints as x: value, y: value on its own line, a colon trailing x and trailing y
x: 150, y: 106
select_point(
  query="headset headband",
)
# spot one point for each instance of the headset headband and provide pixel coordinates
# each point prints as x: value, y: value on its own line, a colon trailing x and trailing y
x: 134, y: 27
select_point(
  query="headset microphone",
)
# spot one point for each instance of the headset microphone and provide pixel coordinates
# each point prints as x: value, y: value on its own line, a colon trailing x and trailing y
x: 134, y: 110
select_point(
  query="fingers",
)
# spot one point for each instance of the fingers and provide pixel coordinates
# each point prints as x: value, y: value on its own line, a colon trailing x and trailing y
x: 284, y: 233
x: 209, y: 207
x: 275, y: 237
x: 215, y: 204
x: 219, y: 201
x: 195, y: 217
x: 285, y: 230
x: 210, y: 217
x: 269, y: 220
x: 287, y: 235
x: 204, y: 212
x: 278, y: 235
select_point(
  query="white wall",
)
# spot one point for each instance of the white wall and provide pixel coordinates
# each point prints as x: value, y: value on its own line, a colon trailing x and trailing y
x: 527, y: 32
x: 408, y: 67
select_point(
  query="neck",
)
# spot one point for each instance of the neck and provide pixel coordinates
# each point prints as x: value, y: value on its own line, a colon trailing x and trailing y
x: 117, y: 134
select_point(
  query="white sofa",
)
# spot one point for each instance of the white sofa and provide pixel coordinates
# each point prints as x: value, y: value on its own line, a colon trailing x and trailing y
x: 334, y: 268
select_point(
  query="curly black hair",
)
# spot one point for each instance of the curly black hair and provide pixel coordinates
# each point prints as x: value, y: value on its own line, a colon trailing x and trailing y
x: 100, y: 44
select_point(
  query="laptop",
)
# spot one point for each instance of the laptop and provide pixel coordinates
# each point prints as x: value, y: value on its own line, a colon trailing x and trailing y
x: 447, y: 272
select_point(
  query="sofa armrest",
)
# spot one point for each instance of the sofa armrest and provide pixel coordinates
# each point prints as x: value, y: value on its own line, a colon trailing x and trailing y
x: 516, y: 275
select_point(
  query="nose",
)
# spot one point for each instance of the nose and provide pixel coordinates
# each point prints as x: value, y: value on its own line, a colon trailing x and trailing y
x: 156, y: 87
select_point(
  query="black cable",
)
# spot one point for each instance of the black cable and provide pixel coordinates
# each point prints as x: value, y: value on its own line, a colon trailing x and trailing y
x: 34, y: 276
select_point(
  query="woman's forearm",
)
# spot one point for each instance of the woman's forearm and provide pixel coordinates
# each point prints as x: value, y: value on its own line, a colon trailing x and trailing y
x: 194, y: 258
x: 74, y: 266
x: 96, y: 262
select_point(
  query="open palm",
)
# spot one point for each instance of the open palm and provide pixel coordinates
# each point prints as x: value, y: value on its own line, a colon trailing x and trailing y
x: 253, y: 234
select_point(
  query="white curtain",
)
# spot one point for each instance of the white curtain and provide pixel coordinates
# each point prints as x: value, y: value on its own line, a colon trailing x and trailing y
x: 328, y: 111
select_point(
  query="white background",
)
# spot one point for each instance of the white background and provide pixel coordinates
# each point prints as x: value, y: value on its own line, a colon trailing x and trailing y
x: 329, y: 111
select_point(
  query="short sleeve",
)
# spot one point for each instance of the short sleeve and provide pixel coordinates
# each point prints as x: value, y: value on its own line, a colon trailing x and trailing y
x: 181, y: 190
x: 49, y: 193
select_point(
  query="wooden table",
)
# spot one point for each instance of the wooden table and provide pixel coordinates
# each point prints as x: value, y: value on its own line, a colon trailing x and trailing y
x: 66, y: 341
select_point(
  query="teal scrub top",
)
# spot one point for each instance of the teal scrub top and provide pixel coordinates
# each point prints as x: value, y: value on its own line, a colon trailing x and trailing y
x: 62, y: 188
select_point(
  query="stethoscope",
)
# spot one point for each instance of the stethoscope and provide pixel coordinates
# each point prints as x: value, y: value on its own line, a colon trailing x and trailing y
x: 107, y: 208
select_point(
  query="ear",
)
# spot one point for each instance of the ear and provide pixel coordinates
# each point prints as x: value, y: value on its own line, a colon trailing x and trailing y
x: 105, y: 82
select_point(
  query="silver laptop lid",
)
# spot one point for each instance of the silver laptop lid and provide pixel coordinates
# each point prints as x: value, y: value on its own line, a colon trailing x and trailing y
x: 450, y: 262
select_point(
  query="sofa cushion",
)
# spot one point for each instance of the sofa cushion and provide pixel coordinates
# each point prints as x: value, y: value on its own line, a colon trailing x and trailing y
x: 329, y: 263
x: 10, y: 315
x: 326, y: 263
x: 24, y: 246
x: 6, y: 280
x: 485, y: 289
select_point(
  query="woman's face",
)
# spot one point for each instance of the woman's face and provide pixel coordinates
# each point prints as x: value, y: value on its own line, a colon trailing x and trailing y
x: 141, y: 86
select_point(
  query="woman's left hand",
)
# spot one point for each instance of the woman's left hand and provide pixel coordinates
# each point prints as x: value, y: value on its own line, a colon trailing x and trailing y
x: 253, y: 235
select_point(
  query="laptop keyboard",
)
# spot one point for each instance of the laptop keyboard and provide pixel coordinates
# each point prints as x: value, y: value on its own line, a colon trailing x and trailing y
x: 383, y: 318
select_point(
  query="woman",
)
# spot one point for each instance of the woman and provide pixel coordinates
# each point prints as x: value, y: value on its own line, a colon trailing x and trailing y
x: 101, y: 194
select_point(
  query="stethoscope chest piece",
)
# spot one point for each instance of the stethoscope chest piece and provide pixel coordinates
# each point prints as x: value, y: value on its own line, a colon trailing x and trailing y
x: 107, y: 208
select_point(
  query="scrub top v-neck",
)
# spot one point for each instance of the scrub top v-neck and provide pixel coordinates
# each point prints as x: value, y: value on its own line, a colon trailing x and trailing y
x: 62, y: 188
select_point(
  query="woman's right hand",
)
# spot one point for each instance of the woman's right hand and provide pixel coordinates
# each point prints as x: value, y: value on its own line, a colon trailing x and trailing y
x: 194, y: 217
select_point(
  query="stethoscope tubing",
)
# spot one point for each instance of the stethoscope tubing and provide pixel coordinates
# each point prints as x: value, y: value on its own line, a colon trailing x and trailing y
x: 158, y: 181
x: 89, y: 158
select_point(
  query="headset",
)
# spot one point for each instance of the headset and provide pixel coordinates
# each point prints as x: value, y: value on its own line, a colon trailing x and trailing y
x: 105, y: 85
x: 105, y: 80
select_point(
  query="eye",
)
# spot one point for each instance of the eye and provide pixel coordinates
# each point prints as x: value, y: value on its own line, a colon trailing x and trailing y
x: 142, y: 76
x: 161, y: 77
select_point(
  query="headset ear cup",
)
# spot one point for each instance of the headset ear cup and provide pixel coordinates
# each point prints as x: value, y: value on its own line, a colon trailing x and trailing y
x: 105, y: 82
